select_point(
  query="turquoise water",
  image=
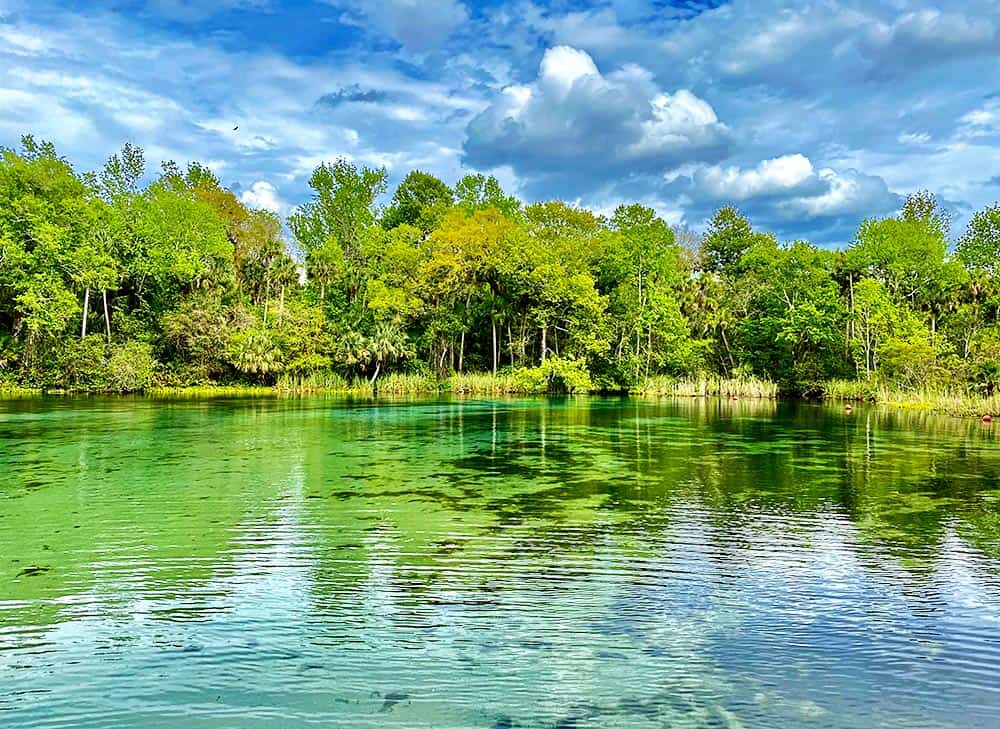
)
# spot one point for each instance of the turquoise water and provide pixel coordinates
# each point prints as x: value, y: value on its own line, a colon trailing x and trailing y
x: 527, y: 563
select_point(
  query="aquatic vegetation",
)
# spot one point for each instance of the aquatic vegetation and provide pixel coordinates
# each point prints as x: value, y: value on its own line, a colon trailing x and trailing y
x: 954, y: 401
x: 746, y: 386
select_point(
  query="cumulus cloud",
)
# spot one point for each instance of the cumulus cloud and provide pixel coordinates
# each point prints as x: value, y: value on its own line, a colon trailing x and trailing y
x: 781, y: 175
x: 787, y: 195
x: 263, y: 196
x: 579, y: 126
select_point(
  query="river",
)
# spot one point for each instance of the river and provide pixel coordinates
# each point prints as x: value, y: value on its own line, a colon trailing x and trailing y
x: 551, y: 563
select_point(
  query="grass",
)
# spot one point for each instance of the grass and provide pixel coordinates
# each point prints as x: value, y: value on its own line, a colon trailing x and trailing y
x: 12, y: 391
x: 486, y: 383
x: 742, y: 387
x: 945, y: 400
x: 953, y: 401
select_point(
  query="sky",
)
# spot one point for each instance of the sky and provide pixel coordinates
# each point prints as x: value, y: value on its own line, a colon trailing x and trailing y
x: 807, y: 116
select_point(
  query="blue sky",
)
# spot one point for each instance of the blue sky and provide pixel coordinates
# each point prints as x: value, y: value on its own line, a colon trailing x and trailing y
x: 809, y: 116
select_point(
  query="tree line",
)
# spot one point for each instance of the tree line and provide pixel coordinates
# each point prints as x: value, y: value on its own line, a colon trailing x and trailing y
x: 107, y: 283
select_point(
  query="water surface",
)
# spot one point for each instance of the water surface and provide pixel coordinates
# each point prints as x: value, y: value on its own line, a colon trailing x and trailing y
x: 529, y: 563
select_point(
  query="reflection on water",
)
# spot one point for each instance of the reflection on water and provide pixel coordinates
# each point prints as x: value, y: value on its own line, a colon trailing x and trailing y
x: 528, y: 563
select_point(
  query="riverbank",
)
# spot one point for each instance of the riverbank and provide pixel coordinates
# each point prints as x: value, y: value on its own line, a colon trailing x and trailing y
x: 951, y: 402
x: 510, y: 384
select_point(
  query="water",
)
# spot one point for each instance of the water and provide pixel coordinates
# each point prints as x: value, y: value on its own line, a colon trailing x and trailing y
x: 566, y: 563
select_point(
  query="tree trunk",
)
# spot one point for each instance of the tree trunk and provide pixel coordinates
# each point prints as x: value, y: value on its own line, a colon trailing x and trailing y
x: 461, y: 352
x: 440, y: 366
x: 496, y: 354
x: 545, y: 348
x: 732, y: 362
x: 86, y: 308
x: 378, y: 366
x: 510, y: 343
x: 649, y: 350
x: 107, y: 315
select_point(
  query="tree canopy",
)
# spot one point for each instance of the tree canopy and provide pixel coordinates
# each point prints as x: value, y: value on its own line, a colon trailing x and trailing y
x: 120, y: 279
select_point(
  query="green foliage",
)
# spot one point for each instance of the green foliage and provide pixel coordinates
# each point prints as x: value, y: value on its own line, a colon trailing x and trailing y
x: 255, y: 352
x: 555, y: 375
x: 421, y: 200
x: 727, y: 238
x: 131, y: 367
x: 110, y: 284
x: 83, y: 365
x: 979, y: 246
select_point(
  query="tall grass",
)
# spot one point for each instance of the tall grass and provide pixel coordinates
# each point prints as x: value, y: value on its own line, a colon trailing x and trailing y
x: 750, y: 387
x: 484, y: 383
x: 398, y: 383
x: 953, y: 401
x: 12, y: 391
x: 199, y: 391
x: 314, y: 382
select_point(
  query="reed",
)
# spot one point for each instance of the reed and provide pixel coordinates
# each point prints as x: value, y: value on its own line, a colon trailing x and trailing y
x: 484, y: 383
x: 13, y: 391
x: 747, y: 386
x: 320, y: 381
x: 200, y: 391
x: 405, y: 384
x: 953, y: 401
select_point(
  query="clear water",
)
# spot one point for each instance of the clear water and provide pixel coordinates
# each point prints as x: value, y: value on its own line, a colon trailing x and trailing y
x: 564, y: 563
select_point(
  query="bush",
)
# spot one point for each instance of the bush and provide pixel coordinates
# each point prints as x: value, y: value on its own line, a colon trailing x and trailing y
x: 82, y: 364
x: 556, y: 375
x: 131, y: 367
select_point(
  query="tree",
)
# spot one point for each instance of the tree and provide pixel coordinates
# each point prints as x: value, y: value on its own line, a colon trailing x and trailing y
x: 478, y: 192
x: 728, y: 237
x: 640, y: 272
x: 421, y: 200
x: 792, y: 331
x: 979, y: 246
x: 339, y: 215
x: 386, y: 345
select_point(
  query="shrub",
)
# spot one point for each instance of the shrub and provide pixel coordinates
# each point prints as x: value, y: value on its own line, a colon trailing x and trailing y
x: 131, y: 367
x: 556, y: 375
x: 82, y: 364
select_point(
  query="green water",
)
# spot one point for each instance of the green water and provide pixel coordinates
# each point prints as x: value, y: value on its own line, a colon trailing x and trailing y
x: 561, y: 563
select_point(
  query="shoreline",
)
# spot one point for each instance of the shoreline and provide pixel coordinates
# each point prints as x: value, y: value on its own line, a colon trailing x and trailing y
x: 953, y: 404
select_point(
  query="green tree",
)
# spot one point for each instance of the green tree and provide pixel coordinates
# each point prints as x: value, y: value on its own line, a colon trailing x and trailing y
x: 421, y: 200
x: 979, y: 246
x: 728, y: 236
x: 339, y: 217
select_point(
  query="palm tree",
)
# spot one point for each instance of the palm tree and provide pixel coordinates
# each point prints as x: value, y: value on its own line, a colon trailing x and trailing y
x: 387, y: 344
x: 254, y: 351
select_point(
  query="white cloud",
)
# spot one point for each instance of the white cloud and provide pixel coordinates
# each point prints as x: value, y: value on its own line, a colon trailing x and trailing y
x: 415, y: 24
x: 930, y: 32
x: 914, y: 138
x: 983, y: 121
x: 848, y: 193
x: 263, y: 196
x: 771, y: 176
x: 21, y: 43
x: 582, y: 125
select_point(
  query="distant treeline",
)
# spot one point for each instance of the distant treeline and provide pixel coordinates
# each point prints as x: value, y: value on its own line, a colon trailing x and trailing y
x: 109, y: 285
